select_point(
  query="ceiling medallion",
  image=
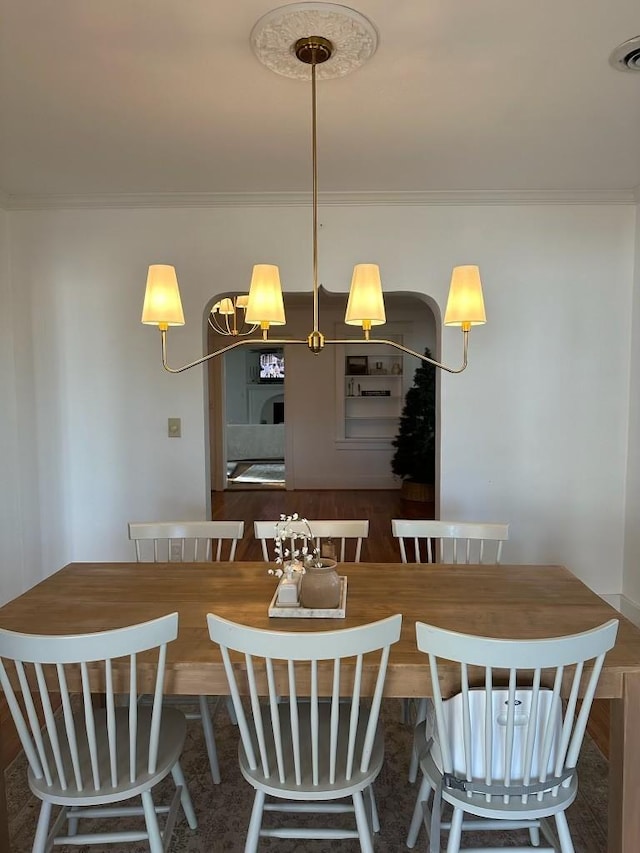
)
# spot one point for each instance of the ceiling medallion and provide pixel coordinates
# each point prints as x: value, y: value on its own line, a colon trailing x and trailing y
x: 354, y: 39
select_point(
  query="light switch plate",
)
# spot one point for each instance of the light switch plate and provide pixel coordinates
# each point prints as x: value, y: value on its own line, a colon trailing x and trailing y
x: 174, y: 429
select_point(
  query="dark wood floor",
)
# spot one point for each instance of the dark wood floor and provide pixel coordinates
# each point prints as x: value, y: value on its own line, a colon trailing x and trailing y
x: 268, y: 504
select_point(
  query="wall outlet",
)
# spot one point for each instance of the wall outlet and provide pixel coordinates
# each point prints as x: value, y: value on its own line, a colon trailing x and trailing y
x: 174, y: 428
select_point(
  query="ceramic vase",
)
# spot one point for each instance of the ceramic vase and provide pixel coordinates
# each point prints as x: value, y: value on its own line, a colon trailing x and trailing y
x: 320, y: 586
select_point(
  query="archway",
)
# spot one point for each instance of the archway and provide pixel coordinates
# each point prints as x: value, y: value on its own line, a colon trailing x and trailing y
x: 321, y: 448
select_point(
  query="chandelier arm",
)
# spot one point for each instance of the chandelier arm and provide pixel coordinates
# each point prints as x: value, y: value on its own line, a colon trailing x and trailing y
x: 221, y: 351
x: 248, y: 331
x: 305, y: 342
x: 409, y: 351
x: 215, y: 326
x: 226, y: 332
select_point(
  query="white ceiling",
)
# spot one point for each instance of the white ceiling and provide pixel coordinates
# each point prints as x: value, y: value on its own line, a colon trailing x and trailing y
x: 165, y: 96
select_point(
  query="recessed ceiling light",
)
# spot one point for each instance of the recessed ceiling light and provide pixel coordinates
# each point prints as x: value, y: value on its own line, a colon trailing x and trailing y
x: 626, y: 57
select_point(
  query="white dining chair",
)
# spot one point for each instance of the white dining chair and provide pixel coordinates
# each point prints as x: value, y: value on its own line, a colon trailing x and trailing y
x: 436, y: 541
x: 89, y: 761
x: 446, y: 542
x: 186, y: 541
x: 304, y: 753
x: 346, y: 533
x: 504, y: 747
x: 191, y: 541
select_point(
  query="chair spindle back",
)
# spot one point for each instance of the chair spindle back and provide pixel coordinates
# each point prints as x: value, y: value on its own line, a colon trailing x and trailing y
x: 349, y: 533
x: 449, y: 541
x: 509, y: 727
x: 186, y: 541
x: 279, y: 664
x: 35, y: 670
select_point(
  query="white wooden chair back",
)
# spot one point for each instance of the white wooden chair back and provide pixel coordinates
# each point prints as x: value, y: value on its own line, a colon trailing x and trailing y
x: 186, y: 541
x: 277, y: 664
x: 508, y: 730
x: 455, y: 541
x: 347, y: 532
x: 39, y: 667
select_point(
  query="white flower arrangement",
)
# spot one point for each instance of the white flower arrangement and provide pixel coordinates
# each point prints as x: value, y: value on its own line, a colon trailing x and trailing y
x: 289, y: 558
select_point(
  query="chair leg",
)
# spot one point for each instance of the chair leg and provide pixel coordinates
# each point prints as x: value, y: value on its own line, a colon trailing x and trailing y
x: 534, y: 836
x: 364, y: 830
x: 375, y: 820
x: 455, y: 833
x: 421, y: 715
x: 42, y: 830
x: 185, y: 797
x: 253, y: 833
x: 418, y: 812
x: 405, y: 714
x: 564, y: 836
x: 151, y: 821
x: 209, y: 739
x: 231, y: 711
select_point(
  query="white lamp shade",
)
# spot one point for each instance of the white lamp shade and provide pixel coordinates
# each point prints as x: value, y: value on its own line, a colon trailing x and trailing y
x: 242, y: 300
x: 265, y: 303
x: 366, y: 303
x: 465, y: 305
x: 162, y: 304
x: 225, y: 306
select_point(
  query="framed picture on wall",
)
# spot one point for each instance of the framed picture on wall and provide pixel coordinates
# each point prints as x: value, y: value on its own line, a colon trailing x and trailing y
x: 357, y: 365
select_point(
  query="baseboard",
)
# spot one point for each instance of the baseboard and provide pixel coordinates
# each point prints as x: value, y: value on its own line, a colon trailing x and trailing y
x: 611, y: 598
x: 624, y: 605
x: 630, y: 609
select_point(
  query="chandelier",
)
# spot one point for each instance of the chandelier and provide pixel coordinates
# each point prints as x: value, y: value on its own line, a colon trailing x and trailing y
x: 226, y: 318
x: 349, y: 39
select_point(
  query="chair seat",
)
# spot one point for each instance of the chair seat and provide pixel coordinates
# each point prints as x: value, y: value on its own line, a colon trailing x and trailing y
x: 515, y: 809
x: 173, y: 730
x: 477, y: 804
x: 306, y: 790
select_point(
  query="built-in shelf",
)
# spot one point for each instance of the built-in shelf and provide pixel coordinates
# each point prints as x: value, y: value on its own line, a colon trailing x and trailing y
x: 367, y: 414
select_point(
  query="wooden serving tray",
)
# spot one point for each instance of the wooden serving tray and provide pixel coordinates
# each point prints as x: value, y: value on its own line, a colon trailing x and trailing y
x: 296, y: 611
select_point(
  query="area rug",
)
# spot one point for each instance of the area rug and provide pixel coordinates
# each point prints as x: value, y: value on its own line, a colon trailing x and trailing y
x: 260, y: 472
x: 223, y: 810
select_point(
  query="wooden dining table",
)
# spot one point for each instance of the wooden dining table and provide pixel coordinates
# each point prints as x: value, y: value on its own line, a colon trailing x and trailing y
x: 499, y: 601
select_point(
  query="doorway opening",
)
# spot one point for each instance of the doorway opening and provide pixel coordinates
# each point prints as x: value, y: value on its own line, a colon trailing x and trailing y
x: 315, y: 424
x: 254, y: 417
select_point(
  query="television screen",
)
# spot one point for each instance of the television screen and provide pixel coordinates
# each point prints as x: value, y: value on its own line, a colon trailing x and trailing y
x: 271, y: 366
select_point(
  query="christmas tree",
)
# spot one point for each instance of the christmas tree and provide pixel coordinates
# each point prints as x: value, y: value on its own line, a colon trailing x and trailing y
x: 415, y: 443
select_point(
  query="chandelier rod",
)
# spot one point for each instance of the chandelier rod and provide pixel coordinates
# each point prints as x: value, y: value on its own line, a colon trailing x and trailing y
x: 314, y: 149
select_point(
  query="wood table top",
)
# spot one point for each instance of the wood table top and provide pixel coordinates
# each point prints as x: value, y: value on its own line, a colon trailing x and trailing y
x: 500, y: 601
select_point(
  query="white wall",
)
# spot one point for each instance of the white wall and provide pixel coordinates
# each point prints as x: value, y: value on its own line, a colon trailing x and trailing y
x: 11, y: 557
x: 237, y: 405
x: 549, y: 447
x: 21, y: 535
x: 631, y: 585
x: 534, y: 433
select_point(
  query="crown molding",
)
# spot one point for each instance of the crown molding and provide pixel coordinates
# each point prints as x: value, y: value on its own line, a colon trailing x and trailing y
x: 326, y: 199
